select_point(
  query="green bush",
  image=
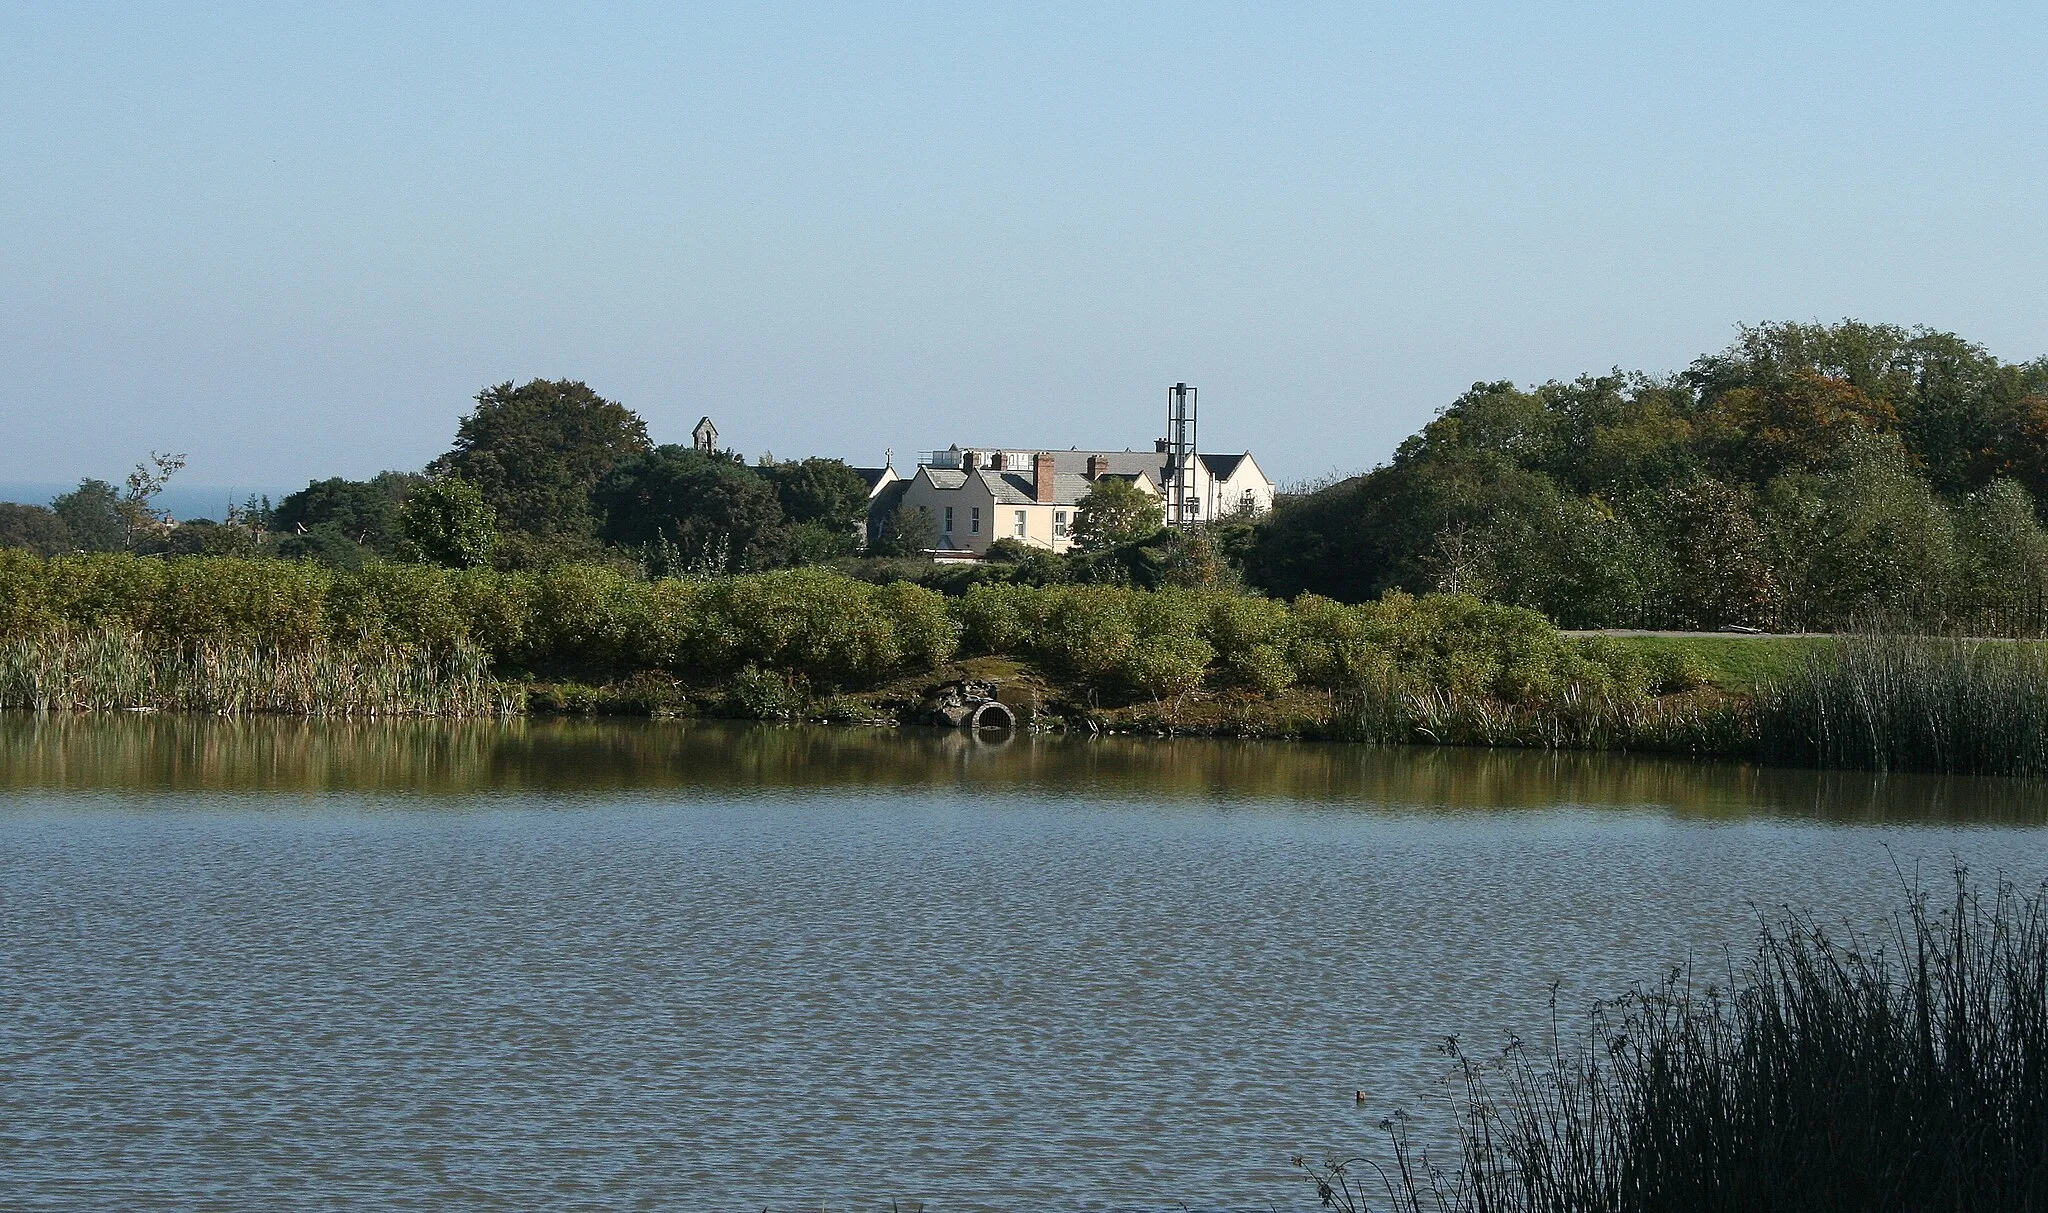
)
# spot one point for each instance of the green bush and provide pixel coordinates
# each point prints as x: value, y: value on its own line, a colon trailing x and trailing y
x: 405, y: 604
x: 583, y: 616
x: 991, y: 619
x: 1327, y: 644
x: 1675, y: 671
x: 1166, y: 665
x: 562, y: 698
x: 1085, y: 631
x: 758, y: 694
x: 925, y: 634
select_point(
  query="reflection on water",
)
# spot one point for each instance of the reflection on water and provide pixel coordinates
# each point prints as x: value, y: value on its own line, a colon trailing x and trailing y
x: 149, y: 753
x: 292, y: 965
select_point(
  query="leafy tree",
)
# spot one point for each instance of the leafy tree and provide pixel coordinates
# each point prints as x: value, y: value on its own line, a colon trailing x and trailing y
x: 364, y: 512
x: 1114, y: 511
x: 823, y: 491
x: 447, y: 522
x: 535, y: 452
x: 34, y: 527
x: 1867, y: 543
x: 2005, y: 557
x: 709, y: 507
x: 1721, y: 562
x: 1799, y: 423
x: 2022, y: 453
x: 91, y: 514
x: 817, y: 543
x: 904, y: 531
x: 1807, y: 475
x: 826, y: 504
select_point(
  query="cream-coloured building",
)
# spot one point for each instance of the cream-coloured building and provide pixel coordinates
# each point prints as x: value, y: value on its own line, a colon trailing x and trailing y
x: 977, y: 496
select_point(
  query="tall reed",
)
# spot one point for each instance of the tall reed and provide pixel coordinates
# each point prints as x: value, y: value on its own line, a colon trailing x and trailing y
x: 1832, y: 1075
x: 1395, y: 707
x: 1913, y: 703
x: 112, y: 670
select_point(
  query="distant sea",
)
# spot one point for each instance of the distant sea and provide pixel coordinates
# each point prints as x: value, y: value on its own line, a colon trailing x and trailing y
x: 182, y: 501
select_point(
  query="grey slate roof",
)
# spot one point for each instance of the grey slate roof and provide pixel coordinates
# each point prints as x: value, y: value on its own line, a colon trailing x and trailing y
x: 1015, y: 488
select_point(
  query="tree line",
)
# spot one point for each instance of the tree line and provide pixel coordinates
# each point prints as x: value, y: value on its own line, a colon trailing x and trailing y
x: 1808, y: 477
x: 541, y: 475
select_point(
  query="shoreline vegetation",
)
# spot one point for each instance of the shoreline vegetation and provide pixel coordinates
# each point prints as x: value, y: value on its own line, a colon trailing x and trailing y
x: 1825, y: 1072
x: 233, y: 636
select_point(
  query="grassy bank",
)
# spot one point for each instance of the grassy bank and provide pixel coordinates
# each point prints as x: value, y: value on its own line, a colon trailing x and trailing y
x: 221, y: 635
x: 1904, y: 1073
x: 1737, y: 664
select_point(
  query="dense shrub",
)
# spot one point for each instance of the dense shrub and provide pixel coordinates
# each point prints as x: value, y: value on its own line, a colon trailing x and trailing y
x: 1441, y: 667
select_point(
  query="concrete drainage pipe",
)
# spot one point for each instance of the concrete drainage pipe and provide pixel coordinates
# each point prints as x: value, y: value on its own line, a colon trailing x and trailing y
x: 992, y: 715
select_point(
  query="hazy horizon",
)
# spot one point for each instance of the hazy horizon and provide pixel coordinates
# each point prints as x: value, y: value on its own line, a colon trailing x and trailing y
x: 295, y: 245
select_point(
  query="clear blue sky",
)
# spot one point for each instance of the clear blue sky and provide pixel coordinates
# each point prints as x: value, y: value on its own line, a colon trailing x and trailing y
x: 294, y: 241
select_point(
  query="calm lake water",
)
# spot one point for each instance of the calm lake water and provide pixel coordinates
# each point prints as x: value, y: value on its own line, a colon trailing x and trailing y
x: 281, y: 965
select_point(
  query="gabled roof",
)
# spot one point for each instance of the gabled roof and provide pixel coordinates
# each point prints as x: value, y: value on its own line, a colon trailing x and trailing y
x: 875, y: 476
x: 1222, y: 467
x: 888, y: 497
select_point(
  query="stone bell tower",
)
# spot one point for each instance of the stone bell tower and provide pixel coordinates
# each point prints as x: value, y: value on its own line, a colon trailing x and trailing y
x: 705, y: 436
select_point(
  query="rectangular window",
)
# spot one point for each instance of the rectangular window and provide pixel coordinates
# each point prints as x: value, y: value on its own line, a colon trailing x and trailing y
x: 949, y: 524
x: 974, y: 520
x: 1059, y: 524
x: 1020, y: 524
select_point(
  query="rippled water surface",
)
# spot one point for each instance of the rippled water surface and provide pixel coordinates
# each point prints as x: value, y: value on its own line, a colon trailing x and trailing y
x: 607, y: 966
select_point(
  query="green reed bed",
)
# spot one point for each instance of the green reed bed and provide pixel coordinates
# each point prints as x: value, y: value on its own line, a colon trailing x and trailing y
x: 1591, y: 714
x: 1903, y: 1074
x: 1911, y: 703
x: 110, y: 670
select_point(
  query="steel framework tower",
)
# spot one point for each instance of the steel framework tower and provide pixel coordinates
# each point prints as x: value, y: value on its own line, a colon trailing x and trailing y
x: 1183, y: 506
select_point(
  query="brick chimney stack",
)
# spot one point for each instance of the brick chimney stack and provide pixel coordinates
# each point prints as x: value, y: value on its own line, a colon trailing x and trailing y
x: 1098, y: 466
x: 1041, y: 478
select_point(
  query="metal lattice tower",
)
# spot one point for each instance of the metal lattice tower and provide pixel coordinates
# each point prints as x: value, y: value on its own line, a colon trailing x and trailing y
x: 1183, y: 507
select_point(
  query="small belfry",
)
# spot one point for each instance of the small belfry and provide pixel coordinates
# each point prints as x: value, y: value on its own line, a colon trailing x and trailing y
x: 705, y: 436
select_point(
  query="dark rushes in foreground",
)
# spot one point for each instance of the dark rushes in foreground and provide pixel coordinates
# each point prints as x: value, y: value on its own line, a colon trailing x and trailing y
x: 1833, y: 1076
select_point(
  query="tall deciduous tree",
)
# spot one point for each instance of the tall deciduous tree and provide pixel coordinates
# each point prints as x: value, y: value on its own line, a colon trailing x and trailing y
x: 536, y: 451
x: 713, y: 510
